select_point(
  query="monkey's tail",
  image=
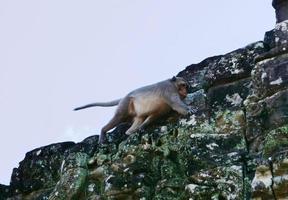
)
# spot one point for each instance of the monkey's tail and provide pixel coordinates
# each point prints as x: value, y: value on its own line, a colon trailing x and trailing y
x: 102, y: 104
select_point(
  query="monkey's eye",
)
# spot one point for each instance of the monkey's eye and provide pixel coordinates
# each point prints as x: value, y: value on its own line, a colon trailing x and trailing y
x: 183, y: 85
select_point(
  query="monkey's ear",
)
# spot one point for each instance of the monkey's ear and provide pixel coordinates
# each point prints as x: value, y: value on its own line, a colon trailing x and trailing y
x: 173, y: 78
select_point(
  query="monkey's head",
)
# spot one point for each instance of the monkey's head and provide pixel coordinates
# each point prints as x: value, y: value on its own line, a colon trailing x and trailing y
x: 182, y: 86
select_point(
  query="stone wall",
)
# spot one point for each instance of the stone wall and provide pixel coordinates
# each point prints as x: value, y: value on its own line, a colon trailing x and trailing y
x: 235, y: 146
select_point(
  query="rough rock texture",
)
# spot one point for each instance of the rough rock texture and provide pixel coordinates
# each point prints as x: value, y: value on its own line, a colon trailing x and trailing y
x: 234, y: 147
x: 281, y: 7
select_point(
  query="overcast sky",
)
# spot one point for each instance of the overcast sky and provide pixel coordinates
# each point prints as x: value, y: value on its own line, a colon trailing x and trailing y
x: 59, y: 54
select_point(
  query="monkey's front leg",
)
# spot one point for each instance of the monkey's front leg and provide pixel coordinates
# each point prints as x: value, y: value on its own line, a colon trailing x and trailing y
x: 178, y: 105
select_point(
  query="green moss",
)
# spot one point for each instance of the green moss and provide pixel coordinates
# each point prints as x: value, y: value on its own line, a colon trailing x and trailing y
x: 275, y: 141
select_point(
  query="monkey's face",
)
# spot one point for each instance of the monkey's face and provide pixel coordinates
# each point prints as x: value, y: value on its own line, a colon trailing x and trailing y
x: 183, y: 90
x: 182, y: 86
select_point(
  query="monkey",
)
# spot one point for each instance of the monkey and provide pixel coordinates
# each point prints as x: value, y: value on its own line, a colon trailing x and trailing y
x: 143, y: 106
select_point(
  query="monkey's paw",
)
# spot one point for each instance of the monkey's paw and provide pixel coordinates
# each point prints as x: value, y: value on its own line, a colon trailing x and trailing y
x: 128, y: 132
x: 192, y: 111
x: 102, y: 139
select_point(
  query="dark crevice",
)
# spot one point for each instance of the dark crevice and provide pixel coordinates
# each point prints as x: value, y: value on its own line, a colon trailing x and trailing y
x: 272, y: 179
x: 244, y: 176
x: 276, y: 51
x: 230, y: 80
x: 245, y: 131
x: 246, y: 173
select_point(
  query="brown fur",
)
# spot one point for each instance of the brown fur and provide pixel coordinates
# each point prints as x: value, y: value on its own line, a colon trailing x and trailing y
x: 146, y: 104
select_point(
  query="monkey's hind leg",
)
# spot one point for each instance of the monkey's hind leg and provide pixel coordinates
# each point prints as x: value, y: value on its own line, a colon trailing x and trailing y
x: 111, y: 124
x: 148, y: 121
x: 120, y: 116
x: 138, y: 121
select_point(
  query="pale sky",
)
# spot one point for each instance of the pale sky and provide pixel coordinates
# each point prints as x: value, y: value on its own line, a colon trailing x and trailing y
x: 59, y: 54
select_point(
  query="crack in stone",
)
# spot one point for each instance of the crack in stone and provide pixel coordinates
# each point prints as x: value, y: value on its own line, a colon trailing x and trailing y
x: 272, y: 179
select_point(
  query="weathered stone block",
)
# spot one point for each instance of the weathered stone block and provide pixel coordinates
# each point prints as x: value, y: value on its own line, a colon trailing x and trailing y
x: 229, y: 96
x: 270, y: 76
x: 262, y: 183
x: 278, y: 36
x: 223, y: 69
x: 39, y: 169
x: 280, y: 179
x: 74, y: 172
x: 277, y: 110
x: 281, y: 8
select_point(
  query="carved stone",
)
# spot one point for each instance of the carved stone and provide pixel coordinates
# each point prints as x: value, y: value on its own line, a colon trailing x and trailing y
x: 281, y: 9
